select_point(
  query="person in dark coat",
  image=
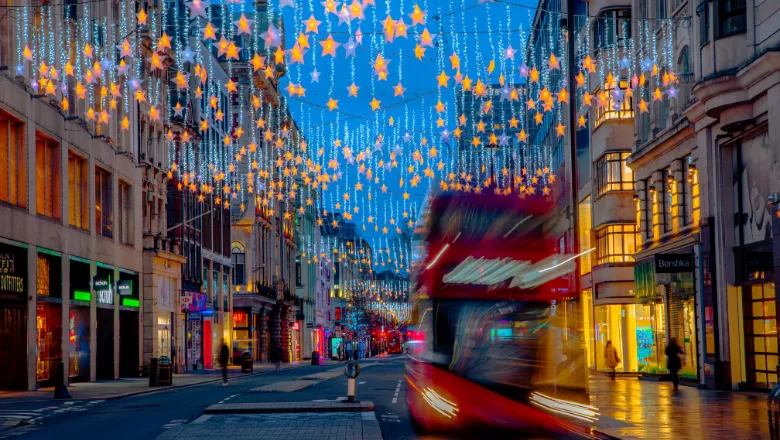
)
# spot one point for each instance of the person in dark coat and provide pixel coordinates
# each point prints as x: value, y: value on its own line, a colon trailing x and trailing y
x: 224, y: 357
x: 673, y: 362
x: 276, y: 357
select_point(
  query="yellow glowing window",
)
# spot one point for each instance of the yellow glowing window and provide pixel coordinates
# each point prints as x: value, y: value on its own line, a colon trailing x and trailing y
x: 585, y: 225
x: 607, y: 106
x: 616, y: 243
x: 612, y: 173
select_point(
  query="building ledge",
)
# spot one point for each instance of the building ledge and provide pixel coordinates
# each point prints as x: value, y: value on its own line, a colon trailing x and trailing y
x: 684, y: 238
x: 668, y: 138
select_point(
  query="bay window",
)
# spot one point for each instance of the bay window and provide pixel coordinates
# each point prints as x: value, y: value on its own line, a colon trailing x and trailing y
x: 612, y: 173
x: 616, y: 243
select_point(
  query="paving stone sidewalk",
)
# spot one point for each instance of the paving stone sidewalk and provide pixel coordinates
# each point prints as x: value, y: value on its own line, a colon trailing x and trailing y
x: 637, y: 409
x: 287, y: 426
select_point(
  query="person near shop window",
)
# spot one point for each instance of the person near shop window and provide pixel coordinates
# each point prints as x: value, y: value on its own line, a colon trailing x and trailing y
x: 276, y: 357
x: 674, y: 354
x: 612, y: 358
x: 224, y: 355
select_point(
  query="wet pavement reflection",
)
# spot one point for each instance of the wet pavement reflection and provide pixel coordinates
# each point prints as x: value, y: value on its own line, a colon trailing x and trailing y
x: 634, y: 408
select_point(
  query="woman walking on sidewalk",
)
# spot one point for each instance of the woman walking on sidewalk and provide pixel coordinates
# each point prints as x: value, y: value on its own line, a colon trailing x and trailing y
x: 612, y: 358
x: 673, y: 362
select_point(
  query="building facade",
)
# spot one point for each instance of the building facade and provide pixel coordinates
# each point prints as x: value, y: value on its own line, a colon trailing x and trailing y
x: 70, y: 215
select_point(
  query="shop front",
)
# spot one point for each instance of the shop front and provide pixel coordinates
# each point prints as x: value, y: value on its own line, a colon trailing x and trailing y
x: 165, y: 317
x: 295, y: 341
x: 79, y: 320
x: 13, y: 316
x: 666, y: 310
x: 759, y: 315
x: 48, y: 348
x: 193, y: 304
x: 129, y: 323
x: 244, y: 329
x: 103, y: 286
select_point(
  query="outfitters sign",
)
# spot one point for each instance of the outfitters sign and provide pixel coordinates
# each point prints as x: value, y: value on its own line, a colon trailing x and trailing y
x: 673, y: 263
x: 13, y: 270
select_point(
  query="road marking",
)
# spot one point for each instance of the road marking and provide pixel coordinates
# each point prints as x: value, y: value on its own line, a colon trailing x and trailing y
x: 174, y: 422
x: 390, y: 417
x: 361, y: 383
x: 395, y: 399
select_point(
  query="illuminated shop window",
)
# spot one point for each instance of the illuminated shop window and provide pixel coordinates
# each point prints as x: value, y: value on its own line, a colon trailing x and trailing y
x: 616, y: 243
x: 612, y: 173
x: 691, y: 198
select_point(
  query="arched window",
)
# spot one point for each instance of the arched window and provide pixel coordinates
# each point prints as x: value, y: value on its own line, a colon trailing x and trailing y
x: 685, y: 76
x: 239, y: 262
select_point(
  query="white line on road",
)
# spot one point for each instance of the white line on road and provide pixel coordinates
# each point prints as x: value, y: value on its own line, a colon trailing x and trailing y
x: 395, y: 399
x: 361, y: 383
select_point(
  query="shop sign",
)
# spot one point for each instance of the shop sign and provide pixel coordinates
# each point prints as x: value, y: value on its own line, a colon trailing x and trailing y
x: 193, y: 302
x: 309, y: 325
x: 295, y: 326
x: 673, y: 263
x: 758, y: 262
x: 124, y: 287
x: 102, y: 287
x: 9, y: 282
x: 193, y: 316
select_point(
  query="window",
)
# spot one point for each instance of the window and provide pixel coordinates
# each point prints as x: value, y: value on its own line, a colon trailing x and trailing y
x: 47, y: 177
x: 703, y: 11
x: 612, y: 104
x: 611, y: 27
x: 684, y: 72
x: 691, y: 198
x: 660, y: 9
x: 104, y: 220
x: 239, y: 264
x: 652, y: 209
x: 298, y: 274
x: 732, y: 17
x: 584, y: 227
x: 612, y: 173
x: 616, y: 243
x: 13, y: 162
x: 124, y: 212
x: 669, y: 206
x: 78, y: 185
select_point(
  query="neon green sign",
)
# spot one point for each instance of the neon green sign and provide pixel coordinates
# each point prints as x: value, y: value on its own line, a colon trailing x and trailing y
x: 81, y: 296
x: 130, y: 302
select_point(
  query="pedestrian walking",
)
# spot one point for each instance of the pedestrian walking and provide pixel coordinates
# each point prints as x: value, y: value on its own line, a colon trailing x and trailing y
x: 276, y: 357
x: 612, y: 358
x: 673, y: 360
x: 224, y: 357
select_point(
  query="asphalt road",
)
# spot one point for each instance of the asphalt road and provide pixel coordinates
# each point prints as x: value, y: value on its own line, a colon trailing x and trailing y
x: 148, y: 416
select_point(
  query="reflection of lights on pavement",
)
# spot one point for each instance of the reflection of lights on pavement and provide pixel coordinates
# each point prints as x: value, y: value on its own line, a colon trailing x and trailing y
x: 564, y: 407
x: 439, y: 403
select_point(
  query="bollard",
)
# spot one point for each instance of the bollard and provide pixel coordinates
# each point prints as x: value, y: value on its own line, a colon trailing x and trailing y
x: 352, y: 371
x: 60, y: 390
x: 153, y: 373
x: 774, y: 413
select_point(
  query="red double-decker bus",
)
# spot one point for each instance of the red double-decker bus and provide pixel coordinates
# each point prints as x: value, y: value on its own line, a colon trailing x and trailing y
x: 395, y: 342
x: 484, y: 348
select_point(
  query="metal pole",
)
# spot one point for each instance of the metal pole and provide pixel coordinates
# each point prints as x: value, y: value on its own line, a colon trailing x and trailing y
x: 573, y: 352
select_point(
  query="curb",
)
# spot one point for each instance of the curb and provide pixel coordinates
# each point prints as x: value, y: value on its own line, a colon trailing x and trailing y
x: 289, y: 407
x: 371, y: 426
x: 170, y: 388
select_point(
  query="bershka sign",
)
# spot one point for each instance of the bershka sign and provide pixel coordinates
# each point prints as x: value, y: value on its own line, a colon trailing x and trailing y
x: 673, y: 263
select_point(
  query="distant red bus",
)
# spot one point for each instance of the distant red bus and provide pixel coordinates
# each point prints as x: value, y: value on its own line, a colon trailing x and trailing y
x: 395, y: 341
x: 483, y: 347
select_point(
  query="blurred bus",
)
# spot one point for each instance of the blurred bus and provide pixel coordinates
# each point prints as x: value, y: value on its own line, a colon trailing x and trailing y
x: 486, y: 348
x: 395, y: 342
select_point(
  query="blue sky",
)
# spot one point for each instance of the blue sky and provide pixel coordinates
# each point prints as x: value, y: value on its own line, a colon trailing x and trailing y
x: 478, y: 33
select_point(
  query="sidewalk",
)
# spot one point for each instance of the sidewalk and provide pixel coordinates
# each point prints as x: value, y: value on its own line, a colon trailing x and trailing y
x: 283, y: 421
x: 636, y: 409
x: 123, y: 387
